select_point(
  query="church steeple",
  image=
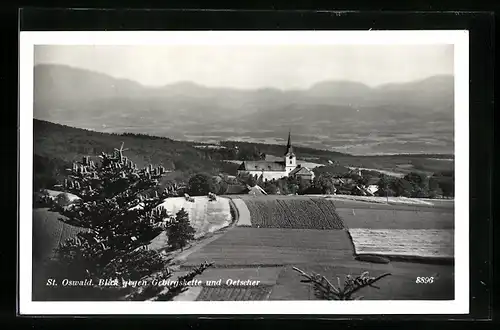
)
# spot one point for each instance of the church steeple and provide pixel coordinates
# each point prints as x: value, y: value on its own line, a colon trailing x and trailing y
x: 290, y: 160
x: 289, y: 148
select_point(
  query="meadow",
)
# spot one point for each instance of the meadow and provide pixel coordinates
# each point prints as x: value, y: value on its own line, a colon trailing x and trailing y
x: 396, y: 218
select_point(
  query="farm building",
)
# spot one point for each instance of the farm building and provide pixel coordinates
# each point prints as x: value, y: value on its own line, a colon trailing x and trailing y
x: 277, y: 169
x: 302, y: 173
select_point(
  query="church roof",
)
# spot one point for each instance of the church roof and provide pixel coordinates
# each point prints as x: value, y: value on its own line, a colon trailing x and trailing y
x: 262, y: 165
x: 300, y: 170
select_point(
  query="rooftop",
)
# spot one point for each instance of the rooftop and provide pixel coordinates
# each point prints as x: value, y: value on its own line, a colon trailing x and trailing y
x: 262, y: 165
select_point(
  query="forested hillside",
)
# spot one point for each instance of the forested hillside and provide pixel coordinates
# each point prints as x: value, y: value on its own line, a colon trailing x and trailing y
x: 57, y: 146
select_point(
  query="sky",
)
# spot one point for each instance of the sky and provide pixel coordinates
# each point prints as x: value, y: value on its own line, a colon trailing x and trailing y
x: 256, y: 66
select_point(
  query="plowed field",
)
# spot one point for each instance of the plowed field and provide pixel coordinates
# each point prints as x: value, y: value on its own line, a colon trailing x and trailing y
x: 293, y: 213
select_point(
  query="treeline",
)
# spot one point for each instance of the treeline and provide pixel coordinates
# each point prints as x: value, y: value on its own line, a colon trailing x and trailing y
x: 418, y: 185
x: 233, y: 152
x: 415, y: 185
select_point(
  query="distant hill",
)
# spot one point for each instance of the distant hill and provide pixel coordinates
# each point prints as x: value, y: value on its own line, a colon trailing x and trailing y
x: 188, y: 111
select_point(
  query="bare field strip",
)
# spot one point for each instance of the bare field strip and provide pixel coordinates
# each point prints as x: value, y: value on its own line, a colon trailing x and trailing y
x: 205, y: 216
x: 234, y: 293
x: 401, y: 285
x: 395, y: 219
x: 384, y: 200
x: 426, y: 243
x: 267, y: 247
x: 294, y: 213
x: 243, y: 212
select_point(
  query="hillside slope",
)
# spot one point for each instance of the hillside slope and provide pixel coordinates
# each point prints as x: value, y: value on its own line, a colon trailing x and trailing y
x: 57, y: 146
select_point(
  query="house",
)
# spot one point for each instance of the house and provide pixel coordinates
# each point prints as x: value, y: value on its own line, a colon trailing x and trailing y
x: 302, y: 172
x: 373, y: 188
x: 270, y: 170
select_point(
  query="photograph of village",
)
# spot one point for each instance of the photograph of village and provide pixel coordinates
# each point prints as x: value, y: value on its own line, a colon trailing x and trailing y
x: 243, y: 172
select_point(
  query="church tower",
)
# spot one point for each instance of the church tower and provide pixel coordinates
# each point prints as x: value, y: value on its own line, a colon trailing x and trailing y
x: 290, y: 159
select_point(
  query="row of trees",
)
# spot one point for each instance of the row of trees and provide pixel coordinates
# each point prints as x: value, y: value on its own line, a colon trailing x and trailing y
x: 412, y: 185
x: 119, y: 206
x: 418, y: 185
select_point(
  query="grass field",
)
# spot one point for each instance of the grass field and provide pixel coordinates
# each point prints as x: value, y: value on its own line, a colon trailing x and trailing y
x: 396, y: 218
x: 204, y: 215
x: 48, y: 232
x: 294, y: 213
x: 274, y: 247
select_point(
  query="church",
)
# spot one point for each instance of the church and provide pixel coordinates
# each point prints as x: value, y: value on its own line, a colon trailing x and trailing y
x: 270, y: 170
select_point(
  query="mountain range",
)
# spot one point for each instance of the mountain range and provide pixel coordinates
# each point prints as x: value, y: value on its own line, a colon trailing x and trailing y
x: 337, y: 115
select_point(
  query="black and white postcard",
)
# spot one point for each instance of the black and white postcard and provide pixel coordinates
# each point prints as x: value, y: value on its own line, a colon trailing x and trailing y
x: 231, y: 172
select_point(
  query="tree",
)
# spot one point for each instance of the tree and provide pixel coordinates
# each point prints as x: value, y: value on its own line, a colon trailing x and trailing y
x: 415, y: 178
x: 221, y: 187
x: 434, y: 189
x: 304, y: 186
x: 385, y: 185
x: 402, y: 187
x: 121, y: 212
x: 251, y: 181
x: 260, y: 180
x: 180, y: 231
x: 420, y: 184
x: 270, y: 188
x: 446, y: 182
x: 324, y: 183
x: 201, y: 184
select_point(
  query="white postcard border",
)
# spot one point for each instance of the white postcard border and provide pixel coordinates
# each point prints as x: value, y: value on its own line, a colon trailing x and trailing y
x: 460, y: 40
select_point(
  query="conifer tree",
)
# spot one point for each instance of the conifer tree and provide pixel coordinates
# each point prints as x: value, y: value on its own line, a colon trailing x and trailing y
x: 180, y: 231
x: 119, y: 206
